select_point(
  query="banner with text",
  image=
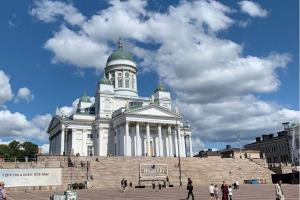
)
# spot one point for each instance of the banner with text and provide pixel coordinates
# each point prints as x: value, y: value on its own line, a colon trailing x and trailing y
x: 31, y: 177
x: 153, y: 171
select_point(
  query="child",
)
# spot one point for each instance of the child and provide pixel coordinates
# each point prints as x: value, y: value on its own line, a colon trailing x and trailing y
x: 230, y: 192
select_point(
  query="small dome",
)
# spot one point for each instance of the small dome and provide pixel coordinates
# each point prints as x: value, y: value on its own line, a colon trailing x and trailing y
x: 120, y: 53
x: 160, y: 88
x: 85, y: 98
x: 105, y: 81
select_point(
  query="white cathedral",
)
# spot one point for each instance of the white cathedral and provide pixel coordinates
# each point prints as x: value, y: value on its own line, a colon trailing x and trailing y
x: 121, y: 123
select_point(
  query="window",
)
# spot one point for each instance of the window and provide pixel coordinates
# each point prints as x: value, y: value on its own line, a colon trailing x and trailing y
x: 90, y: 150
x: 90, y: 136
x: 133, y: 83
x: 120, y: 83
x: 127, y: 83
x: 119, y: 74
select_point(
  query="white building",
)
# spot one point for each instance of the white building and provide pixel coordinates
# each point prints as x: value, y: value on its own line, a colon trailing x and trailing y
x: 120, y: 122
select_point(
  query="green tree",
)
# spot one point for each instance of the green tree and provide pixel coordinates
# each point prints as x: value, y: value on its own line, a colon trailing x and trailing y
x: 18, y: 150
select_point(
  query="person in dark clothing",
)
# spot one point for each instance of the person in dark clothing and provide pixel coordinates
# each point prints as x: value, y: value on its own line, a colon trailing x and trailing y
x: 190, y: 188
x: 225, y: 192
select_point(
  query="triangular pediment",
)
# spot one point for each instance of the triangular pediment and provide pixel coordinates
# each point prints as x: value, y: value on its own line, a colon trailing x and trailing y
x: 154, y: 110
x: 54, y: 122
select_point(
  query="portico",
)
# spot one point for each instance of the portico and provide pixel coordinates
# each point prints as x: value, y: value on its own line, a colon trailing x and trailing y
x: 150, y: 135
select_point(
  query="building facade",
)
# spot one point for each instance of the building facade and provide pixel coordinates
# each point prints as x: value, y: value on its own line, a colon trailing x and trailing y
x: 280, y: 150
x: 120, y: 122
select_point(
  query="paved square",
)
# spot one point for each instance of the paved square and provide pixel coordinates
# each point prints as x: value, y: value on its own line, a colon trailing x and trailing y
x: 246, y: 192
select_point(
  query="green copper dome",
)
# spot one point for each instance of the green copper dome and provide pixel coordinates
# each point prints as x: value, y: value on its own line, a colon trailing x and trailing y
x: 105, y: 81
x: 85, y: 98
x: 160, y: 88
x: 120, y: 54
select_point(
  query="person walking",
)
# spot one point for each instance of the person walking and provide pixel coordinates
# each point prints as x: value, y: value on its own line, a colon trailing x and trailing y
x: 123, y: 184
x: 216, y: 192
x: 211, y: 191
x: 230, y: 192
x: 224, y: 189
x: 278, y: 190
x: 2, y: 191
x: 190, y: 188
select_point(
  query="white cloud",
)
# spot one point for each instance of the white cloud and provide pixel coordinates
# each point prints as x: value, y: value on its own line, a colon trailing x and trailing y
x: 5, y: 88
x: 77, y: 49
x: 212, y: 77
x: 18, y: 126
x: 25, y: 94
x: 45, y: 148
x: 49, y: 11
x: 253, y: 9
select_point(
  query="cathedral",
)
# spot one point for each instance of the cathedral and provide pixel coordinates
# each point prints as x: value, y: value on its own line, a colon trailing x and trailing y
x: 120, y: 122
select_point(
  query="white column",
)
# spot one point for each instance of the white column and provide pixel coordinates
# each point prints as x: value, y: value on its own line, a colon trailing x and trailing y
x: 62, y: 140
x: 138, y: 141
x: 191, y: 150
x: 179, y: 141
x: 73, y: 143
x: 117, y: 142
x: 161, y: 149
x: 183, y: 146
x: 167, y: 144
x: 126, y: 150
x: 170, y: 147
x: 148, y: 140
x: 176, y: 142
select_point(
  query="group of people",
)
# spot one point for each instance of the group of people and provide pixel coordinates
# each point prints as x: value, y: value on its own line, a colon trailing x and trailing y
x: 2, y: 191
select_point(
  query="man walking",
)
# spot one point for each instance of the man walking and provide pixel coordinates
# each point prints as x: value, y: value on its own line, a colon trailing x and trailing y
x: 211, y: 191
x: 278, y: 190
x: 190, y: 188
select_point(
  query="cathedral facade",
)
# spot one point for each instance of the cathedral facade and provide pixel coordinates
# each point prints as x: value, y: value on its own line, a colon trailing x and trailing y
x: 119, y: 122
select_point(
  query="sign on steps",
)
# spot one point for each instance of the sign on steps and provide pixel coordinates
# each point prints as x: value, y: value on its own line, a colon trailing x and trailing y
x: 31, y: 177
x: 153, y: 171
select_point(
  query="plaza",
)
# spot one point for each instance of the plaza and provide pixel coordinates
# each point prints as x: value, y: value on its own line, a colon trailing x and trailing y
x: 246, y: 192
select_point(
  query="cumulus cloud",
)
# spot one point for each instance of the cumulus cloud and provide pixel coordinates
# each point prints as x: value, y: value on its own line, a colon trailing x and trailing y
x: 253, y: 9
x: 45, y: 148
x: 25, y: 94
x: 212, y: 77
x: 18, y: 126
x: 6, y: 93
x: 49, y: 11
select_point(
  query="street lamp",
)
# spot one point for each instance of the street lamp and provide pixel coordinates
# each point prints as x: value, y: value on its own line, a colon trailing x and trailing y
x: 179, y: 163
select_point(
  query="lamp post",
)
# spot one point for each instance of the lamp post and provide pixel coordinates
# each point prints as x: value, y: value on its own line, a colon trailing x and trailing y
x: 179, y: 163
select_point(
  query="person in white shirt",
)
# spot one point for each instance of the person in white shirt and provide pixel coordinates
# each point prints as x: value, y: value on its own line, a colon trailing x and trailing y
x: 278, y: 190
x: 230, y: 192
x: 211, y: 191
x: 216, y: 192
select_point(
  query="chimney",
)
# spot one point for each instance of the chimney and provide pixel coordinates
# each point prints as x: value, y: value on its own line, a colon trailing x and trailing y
x: 228, y: 146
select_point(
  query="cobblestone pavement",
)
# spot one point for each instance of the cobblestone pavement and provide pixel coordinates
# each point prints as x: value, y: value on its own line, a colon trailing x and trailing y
x: 246, y: 192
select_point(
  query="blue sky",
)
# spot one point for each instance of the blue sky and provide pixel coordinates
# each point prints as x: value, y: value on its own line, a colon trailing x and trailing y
x: 31, y: 57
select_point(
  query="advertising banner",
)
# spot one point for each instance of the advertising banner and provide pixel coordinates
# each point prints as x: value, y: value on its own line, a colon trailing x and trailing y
x: 31, y: 177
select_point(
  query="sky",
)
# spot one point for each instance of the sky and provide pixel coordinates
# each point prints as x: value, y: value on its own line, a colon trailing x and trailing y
x: 232, y: 67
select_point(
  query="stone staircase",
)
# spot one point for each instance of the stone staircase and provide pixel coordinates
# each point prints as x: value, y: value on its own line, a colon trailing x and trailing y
x: 108, y: 171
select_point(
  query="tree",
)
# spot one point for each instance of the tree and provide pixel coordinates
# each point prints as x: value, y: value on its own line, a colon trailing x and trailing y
x: 18, y: 150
